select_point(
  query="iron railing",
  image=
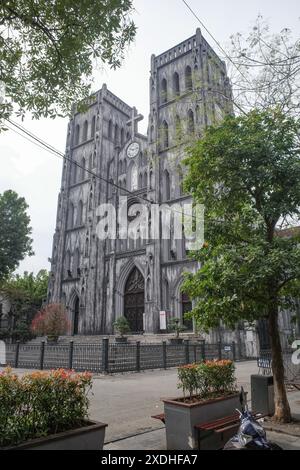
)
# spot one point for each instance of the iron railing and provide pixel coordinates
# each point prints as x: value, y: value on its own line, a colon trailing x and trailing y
x: 109, y: 357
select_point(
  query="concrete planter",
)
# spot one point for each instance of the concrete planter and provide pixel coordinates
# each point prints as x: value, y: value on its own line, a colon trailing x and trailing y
x: 175, y: 341
x: 121, y: 339
x: 180, y: 419
x: 89, y: 437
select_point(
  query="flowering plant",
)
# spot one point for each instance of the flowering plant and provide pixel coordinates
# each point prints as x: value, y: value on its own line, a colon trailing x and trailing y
x: 52, y: 320
x: 41, y: 403
x: 209, y: 378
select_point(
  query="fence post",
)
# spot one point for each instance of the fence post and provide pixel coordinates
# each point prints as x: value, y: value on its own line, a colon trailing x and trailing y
x: 164, y: 354
x: 203, y: 349
x: 220, y: 350
x: 17, y: 354
x: 42, y: 354
x: 138, y: 356
x: 187, y: 351
x: 71, y: 350
x: 233, y: 351
x: 105, y: 351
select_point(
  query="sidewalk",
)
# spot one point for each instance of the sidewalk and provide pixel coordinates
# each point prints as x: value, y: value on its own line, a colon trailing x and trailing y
x: 288, y: 436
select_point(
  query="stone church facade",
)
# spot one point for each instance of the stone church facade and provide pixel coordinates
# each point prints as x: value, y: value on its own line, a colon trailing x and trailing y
x: 101, y: 280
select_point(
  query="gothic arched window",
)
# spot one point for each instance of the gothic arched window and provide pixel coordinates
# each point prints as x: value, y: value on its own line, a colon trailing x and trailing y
x: 85, y: 131
x: 165, y: 135
x: 117, y: 135
x: 122, y: 136
x: 93, y: 127
x: 79, y: 213
x: 110, y: 129
x: 71, y: 215
x: 176, y: 84
x: 67, y: 262
x: 134, y: 177
x: 82, y: 169
x: 164, y: 91
x: 74, y: 173
x: 76, y: 262
x: 188, y: 78
x: 191, y: 122
x: 167, y: 189
x: 178, y: 128
x: 77, y: 134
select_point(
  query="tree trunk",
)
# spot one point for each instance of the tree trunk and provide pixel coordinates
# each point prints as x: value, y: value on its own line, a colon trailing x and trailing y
x: 282, y: 407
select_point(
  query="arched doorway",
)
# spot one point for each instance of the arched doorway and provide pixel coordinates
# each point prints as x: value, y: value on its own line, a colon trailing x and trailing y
x: 76, y: 317
x: 186, y: 306
x: 134, y: 300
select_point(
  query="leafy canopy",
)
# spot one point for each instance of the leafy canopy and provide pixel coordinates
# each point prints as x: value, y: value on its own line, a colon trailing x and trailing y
x: 246, y: 171
x: 48, y: 49
x: 15, y: 230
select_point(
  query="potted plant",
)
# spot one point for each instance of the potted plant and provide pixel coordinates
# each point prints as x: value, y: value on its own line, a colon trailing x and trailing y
x: 209, y: 393
x: 47, y: 411
x: 177, y: 327
x: 122, y: 327
x: 51, y: 321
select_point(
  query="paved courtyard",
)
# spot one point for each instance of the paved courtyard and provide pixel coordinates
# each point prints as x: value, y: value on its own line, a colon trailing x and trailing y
x: 126, y: 402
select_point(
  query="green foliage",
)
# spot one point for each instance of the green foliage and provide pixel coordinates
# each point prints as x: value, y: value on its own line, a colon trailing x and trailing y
x: 48, y: 49
x: 15, y: 230
x: 207, y: 379
x: 41, y: 403
x: 246, y: 171
x: 52, y: 320
x: 176, y: 326
x: 122, y: 326
x: 25, y: 295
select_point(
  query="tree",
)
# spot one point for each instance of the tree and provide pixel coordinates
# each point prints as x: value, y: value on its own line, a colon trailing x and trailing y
x: 15, y: 241
x: 25, y: 295
x: 266, y: 69
x: 52, y: 321
x: 48, y: 49
x: 246, y: 172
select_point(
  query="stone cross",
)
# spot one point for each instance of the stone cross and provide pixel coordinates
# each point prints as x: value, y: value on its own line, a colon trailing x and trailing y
x: 135, y: 118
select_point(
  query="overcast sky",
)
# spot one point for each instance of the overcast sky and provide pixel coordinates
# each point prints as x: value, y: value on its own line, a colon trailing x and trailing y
x: 35, y: 174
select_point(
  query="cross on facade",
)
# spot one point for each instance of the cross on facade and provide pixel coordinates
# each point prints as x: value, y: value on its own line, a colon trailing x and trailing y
x: 135, y: 118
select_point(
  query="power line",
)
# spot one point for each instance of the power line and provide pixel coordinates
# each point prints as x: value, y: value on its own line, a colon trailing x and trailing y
x: 52, y: 150
x: 214, y: 38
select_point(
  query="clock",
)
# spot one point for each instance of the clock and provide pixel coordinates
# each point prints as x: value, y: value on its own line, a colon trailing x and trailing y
x: 133, y: 150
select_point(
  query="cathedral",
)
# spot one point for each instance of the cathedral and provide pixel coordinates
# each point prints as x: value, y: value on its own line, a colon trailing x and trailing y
x: 100, y: 280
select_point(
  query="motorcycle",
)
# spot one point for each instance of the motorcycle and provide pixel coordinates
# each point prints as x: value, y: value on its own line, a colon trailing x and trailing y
x: 251, y: 435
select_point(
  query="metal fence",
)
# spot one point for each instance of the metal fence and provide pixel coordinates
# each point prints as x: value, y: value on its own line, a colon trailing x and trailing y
x: 108, y: 357
x: 291, y: 370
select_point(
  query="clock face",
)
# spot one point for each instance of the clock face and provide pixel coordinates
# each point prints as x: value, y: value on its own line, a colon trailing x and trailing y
x: 133, y: 150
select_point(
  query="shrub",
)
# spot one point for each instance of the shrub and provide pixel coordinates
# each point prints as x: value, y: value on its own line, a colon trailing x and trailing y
x: 207, y: 379
x: 52, y: 320
x: 176, y: 326
x: 122, y: 326
x: 41, y: 403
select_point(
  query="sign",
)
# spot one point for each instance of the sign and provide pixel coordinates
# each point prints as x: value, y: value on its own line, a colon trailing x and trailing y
x: 162, y: 320
x: 2, y: 353
x: 227, y: 348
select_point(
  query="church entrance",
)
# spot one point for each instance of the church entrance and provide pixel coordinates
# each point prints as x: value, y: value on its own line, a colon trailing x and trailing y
x: 134, y: 300
x: 76, y: 317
